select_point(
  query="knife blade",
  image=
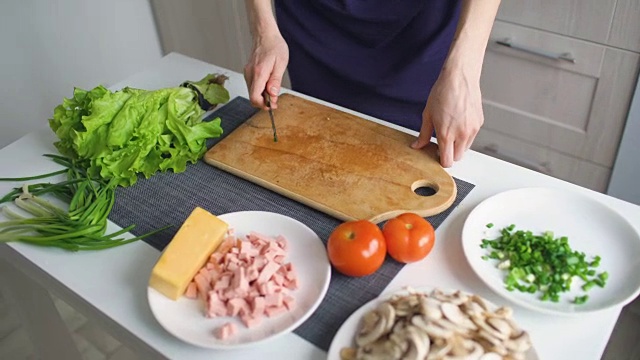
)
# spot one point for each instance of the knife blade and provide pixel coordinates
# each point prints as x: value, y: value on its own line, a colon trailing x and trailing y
x: 267, y: 99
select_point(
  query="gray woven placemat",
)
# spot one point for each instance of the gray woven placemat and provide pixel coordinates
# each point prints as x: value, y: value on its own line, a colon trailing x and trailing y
x: 168, y: 198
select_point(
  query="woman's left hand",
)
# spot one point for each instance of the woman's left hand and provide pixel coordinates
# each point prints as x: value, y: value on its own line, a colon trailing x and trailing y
x: 454, y: 111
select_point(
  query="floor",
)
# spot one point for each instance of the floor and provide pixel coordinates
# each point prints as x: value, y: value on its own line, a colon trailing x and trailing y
x: 95, y: 344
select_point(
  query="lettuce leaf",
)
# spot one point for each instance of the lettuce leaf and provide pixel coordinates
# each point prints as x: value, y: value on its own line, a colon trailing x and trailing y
x: 131, y: 132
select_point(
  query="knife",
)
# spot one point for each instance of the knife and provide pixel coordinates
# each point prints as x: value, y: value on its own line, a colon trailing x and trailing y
x: 267, y: 99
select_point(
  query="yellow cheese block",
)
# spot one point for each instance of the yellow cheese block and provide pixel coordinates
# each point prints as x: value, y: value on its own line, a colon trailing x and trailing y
x: 198, y: 237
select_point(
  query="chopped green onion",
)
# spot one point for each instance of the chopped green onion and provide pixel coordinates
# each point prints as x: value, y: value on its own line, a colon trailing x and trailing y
x: 542, y: 263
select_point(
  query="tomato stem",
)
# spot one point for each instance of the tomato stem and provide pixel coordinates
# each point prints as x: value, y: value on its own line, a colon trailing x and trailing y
x: 408, y: 226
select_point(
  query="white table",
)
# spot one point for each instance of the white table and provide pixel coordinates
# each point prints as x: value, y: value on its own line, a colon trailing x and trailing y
x: 110, y: 286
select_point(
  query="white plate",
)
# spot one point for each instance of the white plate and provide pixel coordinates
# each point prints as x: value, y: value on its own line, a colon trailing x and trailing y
x: 185, y: 318
x: 345, y: 337
x: 591, y: 227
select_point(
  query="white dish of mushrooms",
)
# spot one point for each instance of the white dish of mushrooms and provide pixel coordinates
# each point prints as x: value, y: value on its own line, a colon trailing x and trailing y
x: 431, y: 324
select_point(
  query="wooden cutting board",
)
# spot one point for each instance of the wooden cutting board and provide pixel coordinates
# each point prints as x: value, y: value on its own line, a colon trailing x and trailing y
x: 338, y: 163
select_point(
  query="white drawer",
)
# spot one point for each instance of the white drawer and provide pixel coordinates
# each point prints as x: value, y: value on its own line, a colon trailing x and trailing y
x: 543, y: 160
x: 585, y: 19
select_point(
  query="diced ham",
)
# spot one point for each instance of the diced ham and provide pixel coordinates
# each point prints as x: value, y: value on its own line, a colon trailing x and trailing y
x: 260, y: 261
x: 192, y: 291
x: 272, y: 311
x: 202, y: 284
x: 235, y: 305
x: 275, y: 299
x: 278, y: 279
x: 240, y: 282
x: 291, y: 284
x: 226, y: 331
x: 252, y: 272
x: 268, y: 271
x: 257, y: 306
x: 289, y: 302
x: 251, y: 321
x: 246, y: 278
x: 215, y: 306
x: 282, y: 242
x: 223, y: 282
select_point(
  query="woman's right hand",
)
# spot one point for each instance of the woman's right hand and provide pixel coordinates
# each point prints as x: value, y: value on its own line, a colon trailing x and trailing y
x: 265, y: 69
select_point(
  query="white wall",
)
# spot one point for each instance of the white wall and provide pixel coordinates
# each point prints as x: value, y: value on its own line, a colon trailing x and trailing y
x: 624, y: 182
x: 49, y: 46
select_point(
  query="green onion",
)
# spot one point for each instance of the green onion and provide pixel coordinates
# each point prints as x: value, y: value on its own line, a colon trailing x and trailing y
x: 542, y: 263
x: 81, y: 227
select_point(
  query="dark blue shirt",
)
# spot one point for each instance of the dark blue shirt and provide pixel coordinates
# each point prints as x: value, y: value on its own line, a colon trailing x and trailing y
x: 378, y: 57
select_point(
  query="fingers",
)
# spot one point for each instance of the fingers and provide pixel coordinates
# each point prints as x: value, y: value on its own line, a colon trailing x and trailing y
x: 426, y: 131
x: 256, y: 76
x: 275, y: 82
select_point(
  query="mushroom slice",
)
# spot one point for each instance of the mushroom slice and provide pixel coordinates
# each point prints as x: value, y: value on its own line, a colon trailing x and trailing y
x: 482, y: 324
x: 348, y: 353
x: 456, y: 298
x: 466, y: 350
x: 500, y: 325
x: 404, y: 305
x: 480, y: 301
x: 504, y: 312
x: 419, y: 344
x: 491, y: 356
x: 430, y: 308
x: 519, y: 343
x: 389, y: 314
x: 381, y: 349
x: 456, y: 316
x: 438, y: 351
x: 472, y: 308
x: 430, y: 328
x: 373, y: 327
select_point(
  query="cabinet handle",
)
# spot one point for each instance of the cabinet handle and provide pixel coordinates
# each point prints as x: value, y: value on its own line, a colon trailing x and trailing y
x: 539, y: 167
x: 539, y: 52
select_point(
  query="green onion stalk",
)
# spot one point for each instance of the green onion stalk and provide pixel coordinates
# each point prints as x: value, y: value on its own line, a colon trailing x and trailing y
x: 82, y: 226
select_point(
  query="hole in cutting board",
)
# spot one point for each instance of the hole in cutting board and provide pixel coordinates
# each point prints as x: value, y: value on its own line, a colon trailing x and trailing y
x: 424, y: 188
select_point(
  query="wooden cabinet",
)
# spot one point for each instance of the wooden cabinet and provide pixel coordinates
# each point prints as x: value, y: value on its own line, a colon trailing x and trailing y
x: 557, y: 86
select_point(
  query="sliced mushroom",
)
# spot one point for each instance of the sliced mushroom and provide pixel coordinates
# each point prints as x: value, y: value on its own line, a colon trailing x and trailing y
x: 500, y: 325
x: 519, y: 343
x: 430, y: 308
x: 456, y: 298
x: 438, y: 351
x: 482, y: 324
x: 470, y: 350
x: 504, y: 312
x: 381, y: 349
x: 480, y: 301
x: 431, y: 328
x: 419, y: 344
x: 456, y: 316
x: 374, y: 325
x: 348, y: 353
x: 491, y: 356
x: 455, y: 328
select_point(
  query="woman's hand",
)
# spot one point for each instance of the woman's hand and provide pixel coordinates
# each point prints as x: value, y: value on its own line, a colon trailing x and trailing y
x: 454, y: 111
x: 269, y: 57
x: 454, y: 106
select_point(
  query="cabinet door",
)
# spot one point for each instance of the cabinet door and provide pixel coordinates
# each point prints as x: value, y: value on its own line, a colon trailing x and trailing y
x: 625, y: 28
x: 216, y: 32
x: 577, y: 108
x: 585, y: 19
x: 542, y: 159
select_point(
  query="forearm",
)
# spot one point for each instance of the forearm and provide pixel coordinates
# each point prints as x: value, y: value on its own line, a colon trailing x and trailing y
x: 472, y: 34
x: 262, y: 22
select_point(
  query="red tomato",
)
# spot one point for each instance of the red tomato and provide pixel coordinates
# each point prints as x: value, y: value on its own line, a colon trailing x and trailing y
x: 409, y: 237
x: 357, y: 248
